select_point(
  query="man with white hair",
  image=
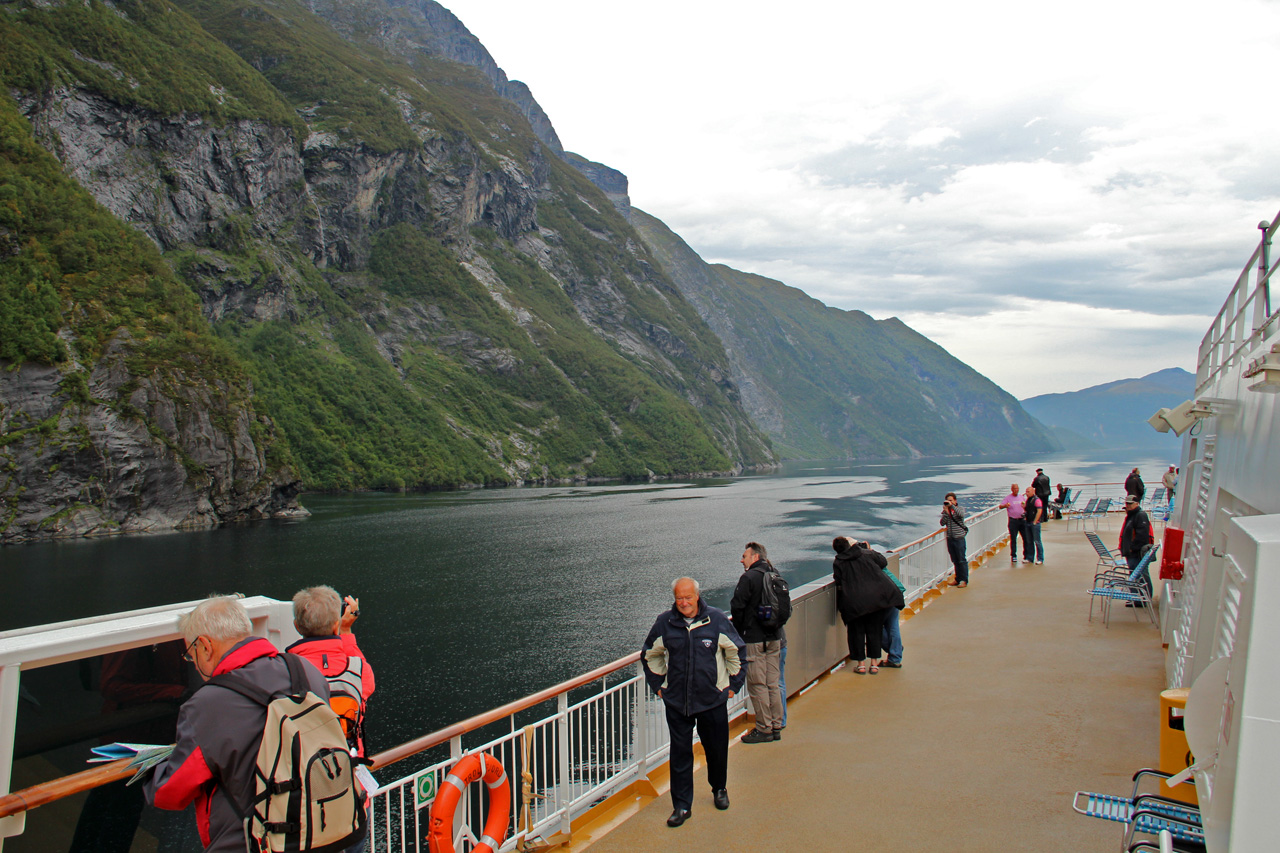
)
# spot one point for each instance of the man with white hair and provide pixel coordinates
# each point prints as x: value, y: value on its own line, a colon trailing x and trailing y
x: 692, y: 659
x: 324, y: 619
x: 219, y: 730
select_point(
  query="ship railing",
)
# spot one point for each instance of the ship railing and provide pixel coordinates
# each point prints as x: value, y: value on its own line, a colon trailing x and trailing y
x: 557, y: 766
x: 1247, y: 316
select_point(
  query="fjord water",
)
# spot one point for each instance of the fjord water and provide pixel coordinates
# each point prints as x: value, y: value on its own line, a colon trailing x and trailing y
x: 471, y: 599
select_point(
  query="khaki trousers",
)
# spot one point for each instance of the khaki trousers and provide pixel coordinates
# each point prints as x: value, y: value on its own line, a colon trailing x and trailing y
x: 764, y: 669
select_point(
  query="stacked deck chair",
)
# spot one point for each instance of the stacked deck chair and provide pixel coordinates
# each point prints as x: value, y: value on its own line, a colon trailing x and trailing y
x: 1146, y: 814
x: 1123, y: 585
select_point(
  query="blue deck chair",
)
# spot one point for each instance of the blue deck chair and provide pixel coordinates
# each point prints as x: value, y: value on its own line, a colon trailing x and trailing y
x: 1079, y: 515
x: 1149, y: 814
x: 1108, y: 587
x: 1108, y: 560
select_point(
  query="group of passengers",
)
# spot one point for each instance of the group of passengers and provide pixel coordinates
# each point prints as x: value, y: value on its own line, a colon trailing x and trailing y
x: 1027, y: 509
x: 219, y: 731
x: 696, y: 658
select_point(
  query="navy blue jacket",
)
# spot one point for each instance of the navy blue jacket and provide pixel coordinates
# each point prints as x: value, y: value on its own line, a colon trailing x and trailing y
x: 696, y: 665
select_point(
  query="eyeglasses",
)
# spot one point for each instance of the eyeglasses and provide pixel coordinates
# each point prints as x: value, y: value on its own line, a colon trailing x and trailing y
x: 186, y: 655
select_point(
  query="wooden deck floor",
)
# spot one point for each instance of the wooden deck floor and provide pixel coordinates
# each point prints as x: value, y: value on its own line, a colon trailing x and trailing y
x: 1009, y: 701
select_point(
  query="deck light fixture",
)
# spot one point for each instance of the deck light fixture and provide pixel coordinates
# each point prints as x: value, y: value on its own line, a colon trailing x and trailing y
x: 1266, y: 368
x: 1180, y: 418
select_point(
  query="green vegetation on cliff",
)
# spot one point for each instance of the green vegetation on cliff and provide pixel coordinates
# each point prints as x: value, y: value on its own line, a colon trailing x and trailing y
x: 68, y: 266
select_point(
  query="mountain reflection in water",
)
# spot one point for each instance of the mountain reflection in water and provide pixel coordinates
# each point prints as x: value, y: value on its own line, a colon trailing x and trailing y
x: 471, y: 599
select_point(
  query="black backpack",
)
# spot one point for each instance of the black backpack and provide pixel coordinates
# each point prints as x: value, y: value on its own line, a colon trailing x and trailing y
x: 774, y: 608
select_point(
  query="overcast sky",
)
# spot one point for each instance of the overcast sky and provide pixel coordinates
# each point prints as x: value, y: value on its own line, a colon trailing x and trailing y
x: 1059, y: 194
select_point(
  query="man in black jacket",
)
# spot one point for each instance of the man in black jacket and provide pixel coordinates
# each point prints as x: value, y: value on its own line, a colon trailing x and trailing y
x: 764, y: 647
x: 1133, y: 485
x: 692, y: 659
x: 1135, y: 536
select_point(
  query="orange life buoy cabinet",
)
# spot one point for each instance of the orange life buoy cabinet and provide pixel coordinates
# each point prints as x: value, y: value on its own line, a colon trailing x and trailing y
x: 471, y: 768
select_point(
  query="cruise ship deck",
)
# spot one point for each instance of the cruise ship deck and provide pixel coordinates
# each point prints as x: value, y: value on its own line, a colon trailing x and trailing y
x: 1008, y: 702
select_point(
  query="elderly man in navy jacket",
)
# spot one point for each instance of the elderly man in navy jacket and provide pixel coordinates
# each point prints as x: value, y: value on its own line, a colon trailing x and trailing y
x: 692, y: 659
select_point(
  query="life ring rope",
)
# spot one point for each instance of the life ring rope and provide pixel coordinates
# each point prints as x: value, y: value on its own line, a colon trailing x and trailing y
x: 475, y: 767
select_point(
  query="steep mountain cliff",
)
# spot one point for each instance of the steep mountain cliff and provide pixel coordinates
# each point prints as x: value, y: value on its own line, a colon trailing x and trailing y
x: 826, y: 383
x: 380, y: 242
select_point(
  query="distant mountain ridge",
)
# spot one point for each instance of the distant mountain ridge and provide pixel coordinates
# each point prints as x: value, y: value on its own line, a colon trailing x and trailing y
x: 1114, y: 414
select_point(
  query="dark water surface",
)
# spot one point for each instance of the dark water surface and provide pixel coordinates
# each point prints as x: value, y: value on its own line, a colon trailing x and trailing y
x: 471, y: 599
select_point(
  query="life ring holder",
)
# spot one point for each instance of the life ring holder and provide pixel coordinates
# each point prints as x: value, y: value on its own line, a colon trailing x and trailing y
x: 473, y: 767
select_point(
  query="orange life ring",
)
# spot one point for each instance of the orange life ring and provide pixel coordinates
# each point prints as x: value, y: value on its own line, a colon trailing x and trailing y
x: 471, y: 768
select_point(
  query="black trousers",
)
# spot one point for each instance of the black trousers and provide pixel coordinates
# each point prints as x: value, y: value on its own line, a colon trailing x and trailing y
x: 713, y: 730
x: 1016, y: 529
x: 863, y: 634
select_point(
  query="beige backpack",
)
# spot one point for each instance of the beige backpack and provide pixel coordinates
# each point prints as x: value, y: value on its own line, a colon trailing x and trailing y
x: 306, y: 796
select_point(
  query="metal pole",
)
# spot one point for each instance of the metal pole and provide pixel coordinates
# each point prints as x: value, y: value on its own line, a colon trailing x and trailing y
x: 1262, y: 307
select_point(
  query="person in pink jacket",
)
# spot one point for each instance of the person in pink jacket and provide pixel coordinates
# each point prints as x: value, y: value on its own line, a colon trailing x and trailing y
x: 324, y: 620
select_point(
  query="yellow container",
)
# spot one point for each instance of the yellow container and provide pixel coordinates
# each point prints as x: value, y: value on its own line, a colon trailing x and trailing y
x: 1175, y: 755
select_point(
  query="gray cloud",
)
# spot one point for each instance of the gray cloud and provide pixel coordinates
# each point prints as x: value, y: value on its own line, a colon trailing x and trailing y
x: 1019, y: 133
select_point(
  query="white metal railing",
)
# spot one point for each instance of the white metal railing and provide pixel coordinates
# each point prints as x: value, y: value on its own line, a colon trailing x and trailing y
x: 558, y: 767
x: 1245, y: 315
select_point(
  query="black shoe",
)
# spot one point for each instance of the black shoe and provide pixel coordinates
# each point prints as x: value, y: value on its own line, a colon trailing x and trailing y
x: 721, y: 799
x: 890, y: 664
x: 678, y: 817
x: 757, y: 736
x: 777, y: 734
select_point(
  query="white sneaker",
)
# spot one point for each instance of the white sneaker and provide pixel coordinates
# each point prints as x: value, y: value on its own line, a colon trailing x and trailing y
x: 1039, y: 562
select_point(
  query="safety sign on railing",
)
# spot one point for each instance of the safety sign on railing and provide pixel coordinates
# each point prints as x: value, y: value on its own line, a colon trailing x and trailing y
x: 424, y: 790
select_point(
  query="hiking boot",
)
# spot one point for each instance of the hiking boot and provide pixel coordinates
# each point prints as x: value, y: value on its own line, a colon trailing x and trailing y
x: 777, y: 734
x: 757, y: 736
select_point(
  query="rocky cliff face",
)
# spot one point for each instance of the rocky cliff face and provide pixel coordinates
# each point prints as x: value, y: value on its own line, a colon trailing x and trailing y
x: 136, y: 454
x: 420, y: 293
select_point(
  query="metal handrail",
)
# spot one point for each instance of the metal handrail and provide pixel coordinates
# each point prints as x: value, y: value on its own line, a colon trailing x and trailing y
x: 1227, y: 337
x: 471, y: 724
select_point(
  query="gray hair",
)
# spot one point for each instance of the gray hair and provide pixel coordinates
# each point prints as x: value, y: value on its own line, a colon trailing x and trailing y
x: 219, y: 617
x: 697, y: 587
x: 315, y: 609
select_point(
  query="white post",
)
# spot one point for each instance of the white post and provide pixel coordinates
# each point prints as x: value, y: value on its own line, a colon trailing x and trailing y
x: 9, y: 677
x: 565, y: 782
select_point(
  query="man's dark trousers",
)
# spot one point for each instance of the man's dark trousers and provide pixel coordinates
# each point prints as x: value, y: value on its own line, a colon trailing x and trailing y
x: 1017, y: 529
x: 1145, y: 577
x: 713, y: 730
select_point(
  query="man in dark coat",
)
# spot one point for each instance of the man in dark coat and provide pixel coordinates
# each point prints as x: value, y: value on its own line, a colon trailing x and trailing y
x: 692, y: 659
x: 1135, y: 536
x: 764, y: 647
x: 1044, y: 489
x: 1133, y: 485
x: 863, y: 593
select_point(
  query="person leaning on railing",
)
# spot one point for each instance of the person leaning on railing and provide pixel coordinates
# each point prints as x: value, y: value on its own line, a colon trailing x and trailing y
x: 219, y: 731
